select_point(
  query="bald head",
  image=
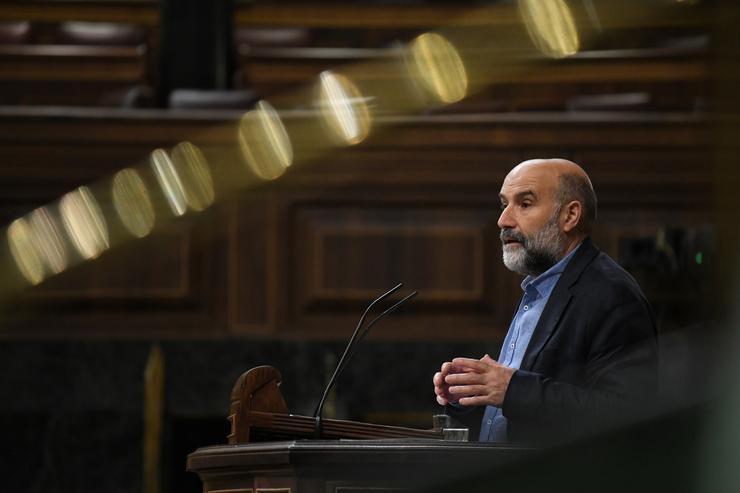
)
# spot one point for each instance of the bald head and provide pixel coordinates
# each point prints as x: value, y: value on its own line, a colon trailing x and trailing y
x: 547, y: 208
x: 565, y: 180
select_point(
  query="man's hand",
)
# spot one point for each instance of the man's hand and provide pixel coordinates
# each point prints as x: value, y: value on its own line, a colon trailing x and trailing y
x: 441, y: 388
x: 476, y: 382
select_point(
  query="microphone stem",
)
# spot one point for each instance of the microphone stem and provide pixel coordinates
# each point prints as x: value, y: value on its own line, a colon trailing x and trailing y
x: 364, y: 333
x: 352, y: 339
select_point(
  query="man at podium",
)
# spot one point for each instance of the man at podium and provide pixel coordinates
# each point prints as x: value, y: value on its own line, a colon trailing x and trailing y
x: 581, y: 350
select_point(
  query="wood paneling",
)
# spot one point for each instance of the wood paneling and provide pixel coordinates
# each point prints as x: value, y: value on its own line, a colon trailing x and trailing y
x: 347, y: 253
x: 271, y: 71
x: 254, y: 267
x: 162, y: 273
x: 350, y: 254
x: 300, y: 257
x: 315, y: 15
x: 136, y: 12
x: 77, y: 63
x: 70, y: 75
x: 79, y: 75
x: 166, y: 285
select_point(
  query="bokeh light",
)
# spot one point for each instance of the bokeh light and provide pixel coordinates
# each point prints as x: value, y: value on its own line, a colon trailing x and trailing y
x: 264, y: 142
x: 195, y: 177
x: 169, y: 181
x: 551, y: 27
x: 84, y: 223
x: 24, y: 252
x: 132, y: 202
x: 344, y: 110
x: 437, y: 66
x: 49, y: 240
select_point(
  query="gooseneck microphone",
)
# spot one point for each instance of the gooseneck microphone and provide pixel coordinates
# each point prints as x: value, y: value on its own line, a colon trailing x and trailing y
x: 354, y: 341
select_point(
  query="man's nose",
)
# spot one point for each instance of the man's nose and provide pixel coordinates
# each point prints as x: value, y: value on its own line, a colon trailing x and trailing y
x: 505, y: 220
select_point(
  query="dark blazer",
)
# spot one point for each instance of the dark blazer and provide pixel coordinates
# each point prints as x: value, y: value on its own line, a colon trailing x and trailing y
x: 592, y: 360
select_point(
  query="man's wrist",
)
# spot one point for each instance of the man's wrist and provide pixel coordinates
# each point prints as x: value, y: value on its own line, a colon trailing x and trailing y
x: 509, y: 376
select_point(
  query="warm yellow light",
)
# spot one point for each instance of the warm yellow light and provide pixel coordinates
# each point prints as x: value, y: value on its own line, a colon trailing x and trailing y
x: 169, y: 181
x: 84, y: 223
x: 195, y: 176
x: 264, y: 142
x: 344, y: 109
x: 49, y: 241
x: 438, y: 68
x: 23, y: 248
x: 551, y: 26
x: 132, y: 203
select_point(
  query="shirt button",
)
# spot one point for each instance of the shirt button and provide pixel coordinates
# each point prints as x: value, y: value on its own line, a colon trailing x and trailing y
x: 512, y: 346
x: 526, y: 307
x: 489, y: 422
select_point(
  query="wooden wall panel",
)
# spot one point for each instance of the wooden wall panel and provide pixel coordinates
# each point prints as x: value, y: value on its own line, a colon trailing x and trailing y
x: 346, y: 251
x: 300, y: 257
x: 156, y: 269
x: 253, y: 265
x: 351, y: 254
x: 167, y: 285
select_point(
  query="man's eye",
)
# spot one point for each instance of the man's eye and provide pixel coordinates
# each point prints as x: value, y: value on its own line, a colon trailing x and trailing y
x: 502, y: 207
x: 524, y: 205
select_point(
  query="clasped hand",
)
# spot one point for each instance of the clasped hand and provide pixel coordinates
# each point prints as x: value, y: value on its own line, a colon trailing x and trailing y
x: 472, y: 382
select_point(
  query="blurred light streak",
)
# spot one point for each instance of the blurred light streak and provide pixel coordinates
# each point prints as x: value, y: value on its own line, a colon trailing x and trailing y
x: 84, y: 223
x: 169, y: 181
x: 132, y: 202
x: 195, y: 176
x: 49, y: 240
x: 344, y: 109
x: 264, y: 142
x: 448, y: 65
x: 593, y: 14
x: 437, y: 66
x: 24, y: 252
x: 551, y: 27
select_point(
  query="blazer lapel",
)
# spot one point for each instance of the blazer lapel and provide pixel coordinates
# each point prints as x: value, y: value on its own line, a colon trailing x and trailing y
x: 558, y: 301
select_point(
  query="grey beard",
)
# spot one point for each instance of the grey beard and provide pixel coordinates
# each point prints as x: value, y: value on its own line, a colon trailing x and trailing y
x: 538, y: 252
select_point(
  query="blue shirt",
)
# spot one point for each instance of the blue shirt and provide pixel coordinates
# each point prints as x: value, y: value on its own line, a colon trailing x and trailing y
x: 537, y: 291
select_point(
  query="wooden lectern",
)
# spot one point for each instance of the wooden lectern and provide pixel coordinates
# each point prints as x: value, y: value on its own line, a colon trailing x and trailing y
x: 272, y: 451
x: 259, y: 413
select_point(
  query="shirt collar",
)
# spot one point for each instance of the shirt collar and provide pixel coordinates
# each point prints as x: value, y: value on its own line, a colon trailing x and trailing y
x: 545, y: 281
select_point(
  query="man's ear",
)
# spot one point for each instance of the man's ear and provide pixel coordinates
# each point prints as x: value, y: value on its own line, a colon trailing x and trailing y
x: 571, y: 215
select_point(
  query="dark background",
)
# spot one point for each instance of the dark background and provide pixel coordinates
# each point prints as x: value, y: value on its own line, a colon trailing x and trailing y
x: 278, y: 274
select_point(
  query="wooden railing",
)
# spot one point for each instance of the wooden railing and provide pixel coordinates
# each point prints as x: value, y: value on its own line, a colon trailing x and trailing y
x: 270, y: 71
x: 312, y: 15
x: 72, y: 63
x: 70, y: 74
x: 669, y: 78
x: 144, y: 12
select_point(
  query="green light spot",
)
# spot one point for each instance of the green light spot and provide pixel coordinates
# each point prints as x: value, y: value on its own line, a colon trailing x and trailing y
x: 699, y: 258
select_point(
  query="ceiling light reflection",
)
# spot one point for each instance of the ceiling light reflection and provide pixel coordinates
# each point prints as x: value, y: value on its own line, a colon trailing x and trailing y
x: 23, y: 249
x: 49, y: 240
x: 84, y: 223
x: 344, y: 109
x: 195, y: 176
x: 169, y: 181
x: 132, y: 203
x: 438, y: 68
x: 551, y: 26
x: 264, y: 142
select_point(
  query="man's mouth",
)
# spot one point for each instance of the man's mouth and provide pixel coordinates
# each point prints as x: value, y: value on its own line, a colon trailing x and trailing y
x: 506, y: 239
x: 511, y: 238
